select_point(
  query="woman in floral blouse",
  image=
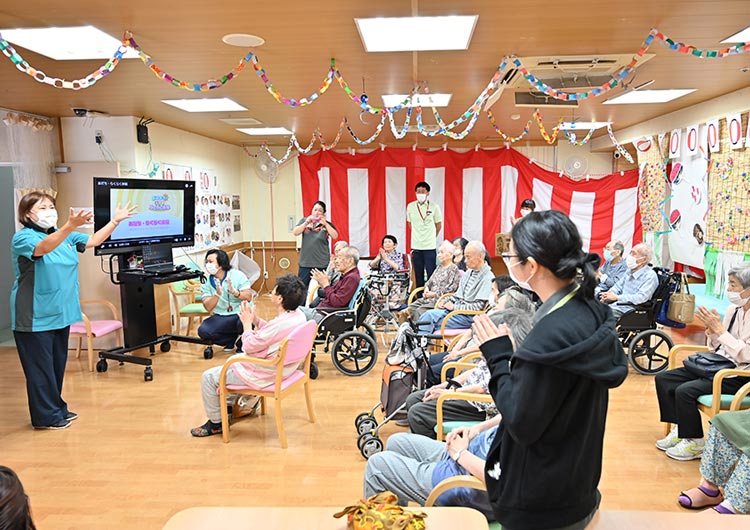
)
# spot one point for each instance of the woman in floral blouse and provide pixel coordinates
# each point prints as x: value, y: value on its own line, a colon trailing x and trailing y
x: 444, y: 280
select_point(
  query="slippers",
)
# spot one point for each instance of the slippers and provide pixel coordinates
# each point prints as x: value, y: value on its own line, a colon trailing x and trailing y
x: 699, y: 497
x: 207, y: 429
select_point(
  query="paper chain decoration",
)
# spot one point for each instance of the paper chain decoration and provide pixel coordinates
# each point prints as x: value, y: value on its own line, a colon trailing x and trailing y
x: 470, y: 115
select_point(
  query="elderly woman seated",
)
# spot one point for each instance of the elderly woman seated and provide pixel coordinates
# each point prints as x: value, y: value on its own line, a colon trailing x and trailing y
x: 260, y: 339
x: 389, y: 259
x: 725, y: 465
x: 444, y: 280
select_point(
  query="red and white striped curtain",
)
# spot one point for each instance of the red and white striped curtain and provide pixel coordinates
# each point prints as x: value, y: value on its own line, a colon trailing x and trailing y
x: 478, y: 191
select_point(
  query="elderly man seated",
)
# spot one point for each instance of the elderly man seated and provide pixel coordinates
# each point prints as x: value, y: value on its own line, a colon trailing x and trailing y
x: 339, y: 295
x: 473, y: 292
x: 331, y: 272
x: 614, y: 266
x: 636, y: 287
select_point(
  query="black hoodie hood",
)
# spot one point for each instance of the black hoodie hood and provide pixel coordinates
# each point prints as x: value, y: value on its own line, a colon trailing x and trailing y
x: 574, y: 348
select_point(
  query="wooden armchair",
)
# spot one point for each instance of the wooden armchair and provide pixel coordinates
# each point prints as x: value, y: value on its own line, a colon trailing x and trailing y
x: 294, y: 349
x: 184, y: 295
x: 715, y: 402
x: 92, y: 329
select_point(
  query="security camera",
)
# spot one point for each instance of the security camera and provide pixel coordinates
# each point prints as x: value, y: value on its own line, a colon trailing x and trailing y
x: 81, y: 113
x: 616, y: 154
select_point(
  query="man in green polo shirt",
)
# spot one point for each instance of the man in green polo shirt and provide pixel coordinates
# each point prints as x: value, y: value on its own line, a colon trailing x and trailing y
x: 426, y: 220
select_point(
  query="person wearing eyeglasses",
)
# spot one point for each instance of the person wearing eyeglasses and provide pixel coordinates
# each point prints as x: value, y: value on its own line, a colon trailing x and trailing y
x: 544, y: 466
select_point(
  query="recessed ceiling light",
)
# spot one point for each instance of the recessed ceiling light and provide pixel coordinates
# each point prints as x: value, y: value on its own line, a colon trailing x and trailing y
x: 243, y: 40
x: 418, y: 100
x: 205, y: 104
x: 515, y: 116
x: 266, y: 131
x: 398, y: 34
x: 649, y: 96
x: 583, y: 125
x: 240, y: 122
x: 741, y: 36
x: 67, y: 44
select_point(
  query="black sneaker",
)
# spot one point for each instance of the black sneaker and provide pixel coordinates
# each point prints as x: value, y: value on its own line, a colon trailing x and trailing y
x: 62, y: 424
x: 70, y: 416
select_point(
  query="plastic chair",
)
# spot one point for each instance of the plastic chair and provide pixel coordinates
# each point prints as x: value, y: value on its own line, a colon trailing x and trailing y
x: 715, y: 402
x: 294, y: 349
x: 92, y: 329
x: 191, y: 309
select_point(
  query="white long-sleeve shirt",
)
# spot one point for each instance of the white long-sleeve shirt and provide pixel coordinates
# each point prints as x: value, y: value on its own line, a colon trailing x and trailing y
x: 734, y: 344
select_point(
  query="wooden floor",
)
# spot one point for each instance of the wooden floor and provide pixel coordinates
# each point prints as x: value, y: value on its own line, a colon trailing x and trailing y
x: 130, y: 462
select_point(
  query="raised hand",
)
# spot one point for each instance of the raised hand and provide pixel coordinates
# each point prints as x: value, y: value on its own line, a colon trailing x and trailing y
x: 80, y: 218
x: 247, y: 315
x: 125, y: 213
x: 485, y: 330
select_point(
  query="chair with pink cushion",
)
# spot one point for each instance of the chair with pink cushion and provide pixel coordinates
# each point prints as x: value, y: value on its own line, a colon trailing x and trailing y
x: 295, y: 350
x: 93, y: 329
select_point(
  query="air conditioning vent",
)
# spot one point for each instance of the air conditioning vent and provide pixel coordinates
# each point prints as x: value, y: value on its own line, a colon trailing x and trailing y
x: 539, y: 99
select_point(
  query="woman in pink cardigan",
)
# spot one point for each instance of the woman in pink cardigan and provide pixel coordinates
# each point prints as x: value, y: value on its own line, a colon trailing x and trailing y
x: 261, y: 342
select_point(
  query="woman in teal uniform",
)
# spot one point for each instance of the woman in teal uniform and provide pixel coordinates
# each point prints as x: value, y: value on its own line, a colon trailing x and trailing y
x: 44, y: 301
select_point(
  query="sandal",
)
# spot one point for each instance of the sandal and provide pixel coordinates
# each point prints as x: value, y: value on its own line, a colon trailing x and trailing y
x: 207, y: 429
x: 724, y: 510
x: 699, y: 497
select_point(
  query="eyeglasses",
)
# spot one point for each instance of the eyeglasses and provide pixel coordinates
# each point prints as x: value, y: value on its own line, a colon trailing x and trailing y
x: 508, y: 255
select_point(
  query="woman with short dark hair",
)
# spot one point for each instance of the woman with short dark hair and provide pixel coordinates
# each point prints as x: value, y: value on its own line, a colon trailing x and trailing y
x: 44, y: 301
x: 545, y: 463
x: 223, y: 293
x: 260, y: 339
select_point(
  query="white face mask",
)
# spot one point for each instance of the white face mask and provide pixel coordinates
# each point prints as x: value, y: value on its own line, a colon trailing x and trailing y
x: 212, y: 268
x: 736, y: 298
x: 631, y: 262
x: 421, y: 197
x: 525, y: 212
x: 513, y: 277
x: 46, y: 219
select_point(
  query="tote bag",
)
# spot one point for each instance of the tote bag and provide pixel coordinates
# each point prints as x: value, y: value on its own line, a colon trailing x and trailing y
x: 682, y: 303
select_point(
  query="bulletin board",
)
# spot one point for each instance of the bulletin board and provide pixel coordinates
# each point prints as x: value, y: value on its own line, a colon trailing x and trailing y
x: 215, y: 210
x: 728, y: 222
x: 652, y: 190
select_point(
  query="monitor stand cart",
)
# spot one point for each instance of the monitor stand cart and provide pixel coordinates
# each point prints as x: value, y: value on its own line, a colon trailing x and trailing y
x: 139, y: 316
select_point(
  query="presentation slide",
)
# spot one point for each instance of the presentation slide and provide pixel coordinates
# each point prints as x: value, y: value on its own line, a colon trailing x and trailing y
x: 160, y: 213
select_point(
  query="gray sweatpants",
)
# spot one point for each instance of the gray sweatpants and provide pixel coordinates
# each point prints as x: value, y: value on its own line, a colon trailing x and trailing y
x: 210, y: 390
x: 405, y: 467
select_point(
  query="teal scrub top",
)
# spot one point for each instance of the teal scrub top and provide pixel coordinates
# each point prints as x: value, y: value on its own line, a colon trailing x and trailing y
x: 227, y: 304
x: 45, y: 294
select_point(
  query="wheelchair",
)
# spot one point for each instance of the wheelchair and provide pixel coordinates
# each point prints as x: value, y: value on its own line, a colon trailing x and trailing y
x: 388, y: 292
x: 350, y: 340
x: 648, y: 347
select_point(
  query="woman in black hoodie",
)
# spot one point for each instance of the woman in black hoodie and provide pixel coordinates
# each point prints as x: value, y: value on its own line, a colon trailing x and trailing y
x: 545, y: 463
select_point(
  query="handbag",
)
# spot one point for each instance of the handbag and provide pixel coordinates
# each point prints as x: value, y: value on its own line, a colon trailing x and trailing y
x: 706, y: 364
x: 661, y: 315
x: 682, y: 303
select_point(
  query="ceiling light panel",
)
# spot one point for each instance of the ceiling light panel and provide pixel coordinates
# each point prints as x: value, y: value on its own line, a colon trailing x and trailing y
x: 398, y: 34
x: 648, y: 96
x: 418, y: 100
x: 205, y: 105
x: 741, y: 36
x: 67, y: 44
x: 266, y: 131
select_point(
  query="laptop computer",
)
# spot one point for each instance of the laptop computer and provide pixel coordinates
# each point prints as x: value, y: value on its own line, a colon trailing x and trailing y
x: 157, y: 259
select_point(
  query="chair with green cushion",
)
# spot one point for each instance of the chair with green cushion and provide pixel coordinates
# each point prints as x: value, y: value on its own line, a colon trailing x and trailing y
x: 715, y: 402
x: 185, y: 292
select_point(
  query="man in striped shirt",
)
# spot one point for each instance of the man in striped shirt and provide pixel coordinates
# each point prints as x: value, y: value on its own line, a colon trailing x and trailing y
x: 473, y: 293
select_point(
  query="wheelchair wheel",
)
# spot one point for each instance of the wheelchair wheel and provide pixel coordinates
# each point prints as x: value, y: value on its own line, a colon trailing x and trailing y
x: 648, y: 352
x: 354, y: 353
x: 367, y: 328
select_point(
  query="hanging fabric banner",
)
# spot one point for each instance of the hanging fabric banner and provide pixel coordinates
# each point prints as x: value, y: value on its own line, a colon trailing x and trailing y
x: 688, y: 206
x: 712, y: 136
x: 675, y: 142
x: 478, y: 191
x: 734, y: 130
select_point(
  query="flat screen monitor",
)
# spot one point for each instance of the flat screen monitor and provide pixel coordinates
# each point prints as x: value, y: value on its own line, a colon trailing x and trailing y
x: 166, y: 213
